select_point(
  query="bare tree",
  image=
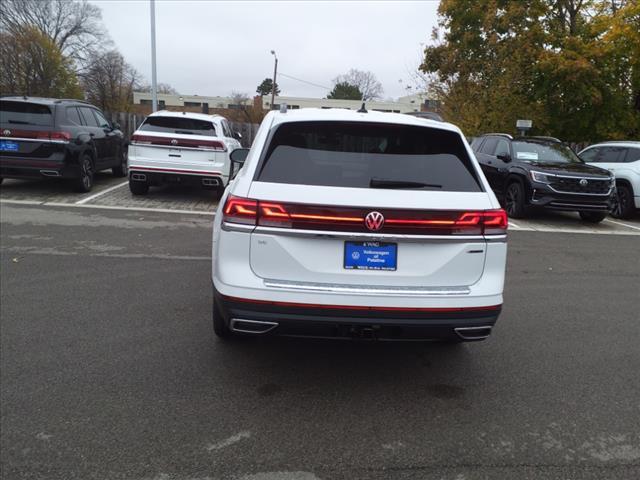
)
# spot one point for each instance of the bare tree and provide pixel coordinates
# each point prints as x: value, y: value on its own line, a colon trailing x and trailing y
x: 74, y: 26
x: 238, y: 98
x: 366, y: 82
x: 109, y: 82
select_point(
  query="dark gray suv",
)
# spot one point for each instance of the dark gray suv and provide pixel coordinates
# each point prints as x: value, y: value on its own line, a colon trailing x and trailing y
x: 45, y: 137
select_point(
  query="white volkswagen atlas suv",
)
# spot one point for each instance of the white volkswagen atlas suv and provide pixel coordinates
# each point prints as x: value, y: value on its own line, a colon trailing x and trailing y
x: 181, y: 147
x: 358, y: 225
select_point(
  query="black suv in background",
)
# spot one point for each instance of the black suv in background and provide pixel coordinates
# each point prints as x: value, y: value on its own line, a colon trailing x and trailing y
x: 527, y: 172
x: 45, y: 137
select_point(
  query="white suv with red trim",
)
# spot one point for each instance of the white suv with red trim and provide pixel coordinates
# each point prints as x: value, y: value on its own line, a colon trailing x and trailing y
x: 358, y: 224
x: 181, y: 147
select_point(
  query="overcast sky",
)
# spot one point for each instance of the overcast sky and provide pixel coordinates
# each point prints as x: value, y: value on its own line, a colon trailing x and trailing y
x: 214, y: 47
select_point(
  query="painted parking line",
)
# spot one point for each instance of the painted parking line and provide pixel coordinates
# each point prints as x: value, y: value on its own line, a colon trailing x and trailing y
x: 514, y: 225
x: 99, y: 194
x: 623, y: 224
x: 131, y: 209
x: 23, y: 202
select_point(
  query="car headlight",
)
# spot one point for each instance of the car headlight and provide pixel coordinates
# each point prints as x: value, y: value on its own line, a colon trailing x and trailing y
x: 540, y: 177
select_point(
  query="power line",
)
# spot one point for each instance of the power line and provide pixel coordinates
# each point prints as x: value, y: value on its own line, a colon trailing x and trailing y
x: 304, y: 81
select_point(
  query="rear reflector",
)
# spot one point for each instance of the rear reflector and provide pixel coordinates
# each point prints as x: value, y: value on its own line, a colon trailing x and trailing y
x: 489, y: 308
x: 348, y: 219
x: 201, y: 144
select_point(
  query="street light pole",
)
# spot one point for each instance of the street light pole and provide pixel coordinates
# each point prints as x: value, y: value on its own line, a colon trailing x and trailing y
x: 275, y: 72
x: 154, y: 87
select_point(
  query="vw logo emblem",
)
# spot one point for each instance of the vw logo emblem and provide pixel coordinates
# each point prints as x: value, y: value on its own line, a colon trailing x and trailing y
x: 174, y: 142
x: 6, y: 132
x: 584, y: 182
x: 374, y: 221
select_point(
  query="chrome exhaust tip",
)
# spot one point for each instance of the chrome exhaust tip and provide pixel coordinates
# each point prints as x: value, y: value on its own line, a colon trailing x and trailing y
x: 210, y: 182
x: 473, y: 333
x: 50, y: 173
x: 241, y: 325
x: 139, y: 177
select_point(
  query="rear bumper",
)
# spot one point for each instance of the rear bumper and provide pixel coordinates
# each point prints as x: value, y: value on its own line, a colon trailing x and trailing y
x: 180, y: 177
x: 36, y: 168
x: 259, y: 318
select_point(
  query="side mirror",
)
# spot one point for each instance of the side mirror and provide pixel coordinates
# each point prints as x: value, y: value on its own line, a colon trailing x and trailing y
x: 115, y: 126
x: 505, y: 157
x: 238, y: 156
x: 238, y: 135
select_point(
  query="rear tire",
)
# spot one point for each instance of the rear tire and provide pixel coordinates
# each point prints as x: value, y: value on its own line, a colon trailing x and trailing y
x: 514, y: 201
x: 121, y: 170
x: 138, y: 188
x: 220, y: 328
x: 84, y: 183
x: 593, y: 217
x: 623, y: 206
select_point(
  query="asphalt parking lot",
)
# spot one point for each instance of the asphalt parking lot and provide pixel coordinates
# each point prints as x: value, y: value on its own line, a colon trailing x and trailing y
x: 109, y: 368
x: 113, y: 193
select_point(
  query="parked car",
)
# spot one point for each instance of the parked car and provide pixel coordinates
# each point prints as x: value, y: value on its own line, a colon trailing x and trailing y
x: 623, y: 160
x: 358, y: 224
x: 46, y: 137
x: 181, y: 147
x: 529, y: 172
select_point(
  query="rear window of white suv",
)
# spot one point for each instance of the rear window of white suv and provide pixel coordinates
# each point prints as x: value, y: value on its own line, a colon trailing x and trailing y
x: 368, y: 155
x: 183, y: 125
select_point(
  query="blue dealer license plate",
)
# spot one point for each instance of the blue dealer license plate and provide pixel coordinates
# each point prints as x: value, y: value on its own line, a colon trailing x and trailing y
x: 8, y: 146
x: 370, y: 256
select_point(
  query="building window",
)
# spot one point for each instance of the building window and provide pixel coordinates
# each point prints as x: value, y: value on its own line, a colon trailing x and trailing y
x: 192, y: 104
x: 161, y: 104
x: 144, y: 101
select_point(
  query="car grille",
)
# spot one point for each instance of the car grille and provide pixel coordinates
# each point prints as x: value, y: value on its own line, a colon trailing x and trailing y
x: 572, y: 185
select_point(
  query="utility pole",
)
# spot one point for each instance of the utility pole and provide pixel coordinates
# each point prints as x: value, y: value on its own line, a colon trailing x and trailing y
x: 154, y: 86
x: 275, y: 72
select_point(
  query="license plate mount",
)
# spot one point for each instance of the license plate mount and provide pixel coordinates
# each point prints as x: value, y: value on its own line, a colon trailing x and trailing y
x: 370, y: 256
x: 8, y: 146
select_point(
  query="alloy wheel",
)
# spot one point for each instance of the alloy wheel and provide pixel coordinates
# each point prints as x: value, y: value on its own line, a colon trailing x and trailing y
x: 511, y: 200
x: 620, y: 203
x: 87, y: 173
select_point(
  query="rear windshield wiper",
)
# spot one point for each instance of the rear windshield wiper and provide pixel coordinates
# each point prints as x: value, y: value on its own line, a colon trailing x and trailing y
x: 383, y: 183
x: 185, y: 132
x: 20, y: 122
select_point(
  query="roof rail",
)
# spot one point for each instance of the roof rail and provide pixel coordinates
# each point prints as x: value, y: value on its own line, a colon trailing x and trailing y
x: 60, y: 100
x: 498, y: 135
x: 544, y: 137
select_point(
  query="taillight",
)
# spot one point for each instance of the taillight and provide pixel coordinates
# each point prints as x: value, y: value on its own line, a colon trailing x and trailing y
x: 240, y: 210
x: 41, y: 135
x: 495, y: 221
x: 60, y: 136
x: 206, y: 145
x: 348, y: 219
x: 140, y: 139
x: 201, y: 144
